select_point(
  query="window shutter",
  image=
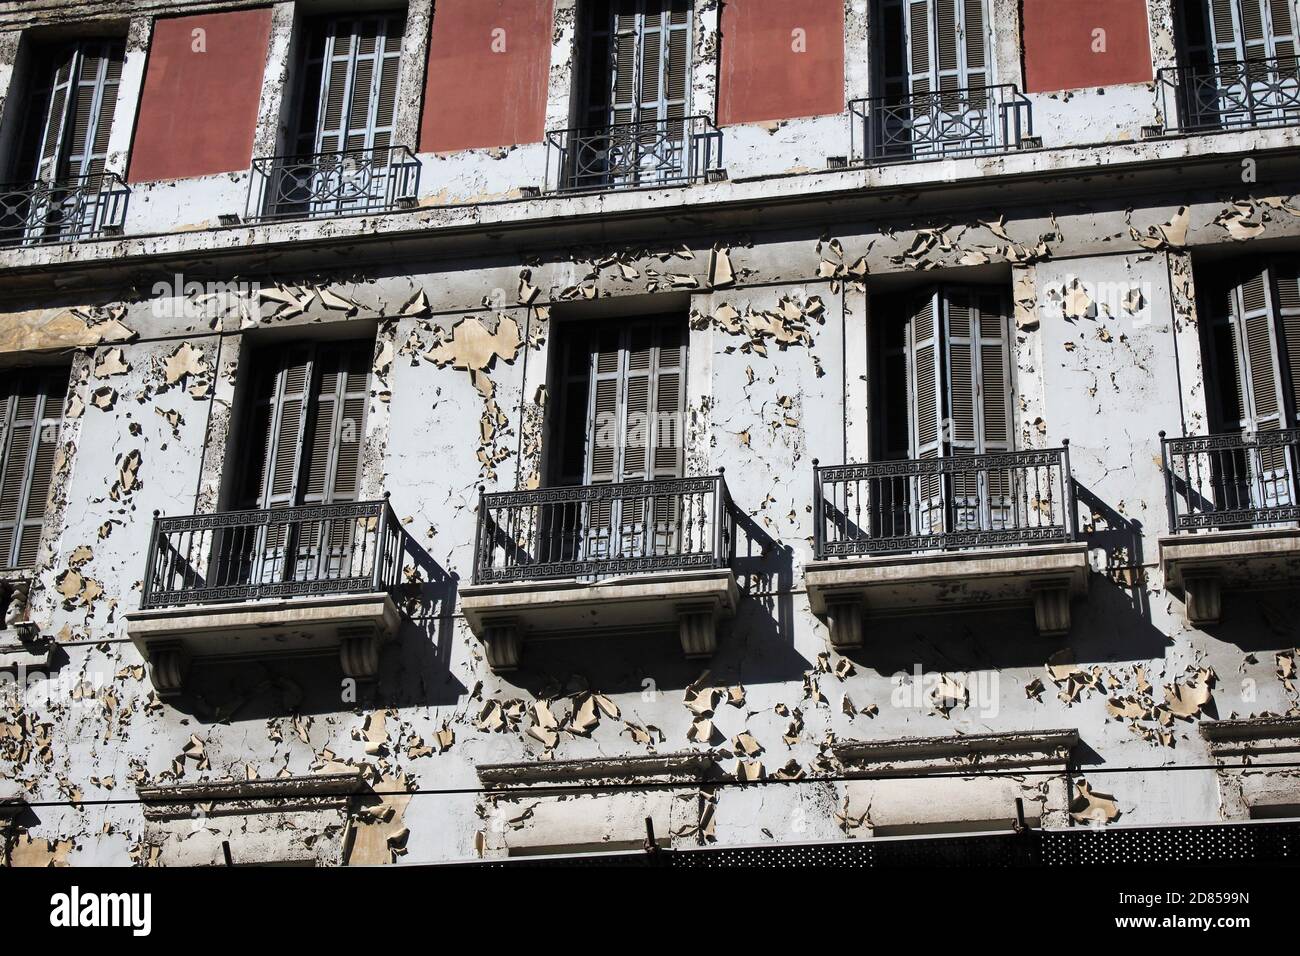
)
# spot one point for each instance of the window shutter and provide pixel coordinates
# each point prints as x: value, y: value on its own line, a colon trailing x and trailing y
x: 648, y: 60
x: 1244, y: 30
x: 79, y: 109
x: 32, y: 405
x: 1256, y: 338
x: 919, y: 38
x: 1286, y: 298
x: 94, y: 102
x: 278, y: 424
x: 55, y: 125
x: 947, y: 46
x: 351, y: 84
x: 925, y: 373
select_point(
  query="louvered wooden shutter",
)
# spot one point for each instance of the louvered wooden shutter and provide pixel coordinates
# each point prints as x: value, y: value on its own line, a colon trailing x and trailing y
x: 351, y: 84
x: 1286, y: 296
x: 925, y: 387
x: 335, y: 424
x: 1258, y: 348
x: 79, y: 109
x: 1245, y: 30
x: 31, y: 404
x: 648, y: 49
x: 947, y: 46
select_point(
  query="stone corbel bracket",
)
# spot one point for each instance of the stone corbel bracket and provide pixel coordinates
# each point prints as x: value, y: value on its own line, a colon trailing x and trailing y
x: 214, y: 798
x: 505, y: 616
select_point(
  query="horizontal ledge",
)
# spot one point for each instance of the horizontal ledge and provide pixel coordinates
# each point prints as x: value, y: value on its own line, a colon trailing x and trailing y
x: 309, y: 792
x: 1035, y: 747
x: 685, y: 764
x: 1249, y: 729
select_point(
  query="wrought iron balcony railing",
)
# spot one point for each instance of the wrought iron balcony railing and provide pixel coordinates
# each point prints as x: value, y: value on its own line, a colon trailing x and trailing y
x: 671, y: 152
x: 1235, y: 95
x: 945, y: 124
x: 595, y: 531
x: 304, y: 551
x: 933, y: 504
x: 325, y: 185
x: 68, y: 210
x: 1232, y: 480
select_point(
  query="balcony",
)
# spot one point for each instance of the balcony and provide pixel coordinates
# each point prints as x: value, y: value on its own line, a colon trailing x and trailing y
x: 241, y: 584
x: 327, y: 185
x: 939, y: 534
x: 633, y: 557
x: 672, y: 152
x: 1228, y: 96
x: 1234, y: 516
x: 69, y: 210
x: 948, y: 124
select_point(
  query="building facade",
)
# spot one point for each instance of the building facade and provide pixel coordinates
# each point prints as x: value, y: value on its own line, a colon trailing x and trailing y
x: 473, y: 428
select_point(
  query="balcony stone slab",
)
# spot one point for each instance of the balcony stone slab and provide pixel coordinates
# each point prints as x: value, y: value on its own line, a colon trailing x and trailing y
x: 1201, y: 566
x: 849, y: 591
x: 692, y: 603
x: 356, y: 626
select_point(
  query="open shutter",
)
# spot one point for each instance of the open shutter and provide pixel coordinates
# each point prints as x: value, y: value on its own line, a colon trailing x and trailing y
x: 1286, y: 296
x: 32, y: 406
x: 920, y: 36
x: 1257, y: 346
x: 925, y: 387
x: 54, y: 127
x: 93, y: 103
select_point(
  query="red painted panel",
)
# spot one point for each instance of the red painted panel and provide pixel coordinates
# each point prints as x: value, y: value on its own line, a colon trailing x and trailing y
x: 764, y: 76
x: 1059, y: 41
x: 198, y: 110
x: 488, y: 66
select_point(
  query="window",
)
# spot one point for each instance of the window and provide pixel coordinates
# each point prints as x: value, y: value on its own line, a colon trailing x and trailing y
x: 932, y: 46
x: 31, y: 404
x: 1239, y: 59
x: 304, y: 442
x: 1252, y: 326
x: 933, y: 95
x: 74, y: 95
x: 62, y: 193
x: 304, y: 445
x: 943, y: 389
x: 1236, y: 31
x: 638, y: 59
x: 349, y: 90
x: 346, y: 161
x: 621, y: 392
x: 636, y: 87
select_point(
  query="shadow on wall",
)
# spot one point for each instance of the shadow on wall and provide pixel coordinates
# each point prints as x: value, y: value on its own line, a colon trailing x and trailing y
x: 415, y: 669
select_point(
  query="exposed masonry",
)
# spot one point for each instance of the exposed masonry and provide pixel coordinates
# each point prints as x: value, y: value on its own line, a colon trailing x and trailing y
x: 779, y: 374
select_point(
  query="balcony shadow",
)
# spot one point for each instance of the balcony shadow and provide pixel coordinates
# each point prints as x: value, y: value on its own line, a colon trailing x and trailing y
x: 414, y: 667
x: 1259, y: 620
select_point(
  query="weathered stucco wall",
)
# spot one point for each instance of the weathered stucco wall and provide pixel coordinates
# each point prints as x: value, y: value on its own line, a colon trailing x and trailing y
x: 458, y: 393
x: 774, y: 271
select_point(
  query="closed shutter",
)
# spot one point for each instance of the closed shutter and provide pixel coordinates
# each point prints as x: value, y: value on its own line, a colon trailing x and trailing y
x: 78, y: 120
x: 1235, y: 31
x: 32, y: 407
x: 350, y: 87
x: 1286, y: 295
x: 646, y: 46
x: 947, y: 47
